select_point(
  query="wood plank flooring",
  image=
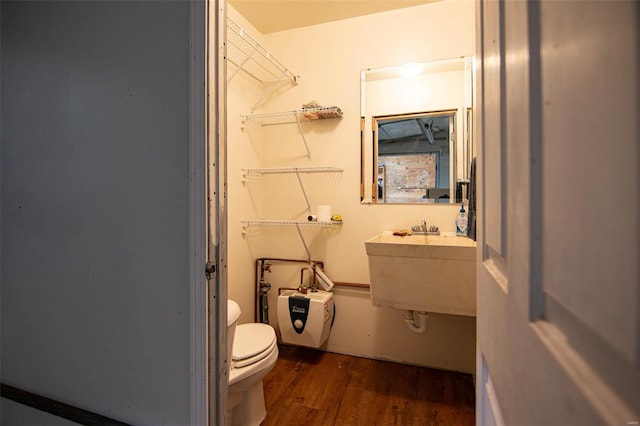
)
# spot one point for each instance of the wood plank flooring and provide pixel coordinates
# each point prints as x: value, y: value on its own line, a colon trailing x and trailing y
x: 310, y: 387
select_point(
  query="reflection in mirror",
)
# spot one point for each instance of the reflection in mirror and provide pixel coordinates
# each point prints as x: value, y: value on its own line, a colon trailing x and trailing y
x: 413, y: 157
x: 420, y: 146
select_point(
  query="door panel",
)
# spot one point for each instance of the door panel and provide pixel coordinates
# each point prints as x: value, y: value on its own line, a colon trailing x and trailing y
x: 597, y: 140
x: 559, y: 185
x: 493, y: 97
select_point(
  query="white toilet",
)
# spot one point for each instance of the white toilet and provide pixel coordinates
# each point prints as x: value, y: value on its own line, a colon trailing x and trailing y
x: 253, y: 350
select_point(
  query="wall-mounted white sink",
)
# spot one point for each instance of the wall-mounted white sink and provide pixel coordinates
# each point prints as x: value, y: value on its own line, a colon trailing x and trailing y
x: 431, y: 273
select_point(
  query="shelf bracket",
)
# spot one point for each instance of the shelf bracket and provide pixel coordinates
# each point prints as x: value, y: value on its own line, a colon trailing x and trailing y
x: 303, y: 191
x: 304, y: 140
x: 304, y: 243
x: 239, y: 66
x: 271, y: 88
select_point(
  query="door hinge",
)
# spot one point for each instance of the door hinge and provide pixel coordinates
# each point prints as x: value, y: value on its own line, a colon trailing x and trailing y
x: 210, y: 270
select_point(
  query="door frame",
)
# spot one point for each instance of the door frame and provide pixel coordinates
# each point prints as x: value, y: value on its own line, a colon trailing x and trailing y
x: 216, y: 169
x: 200, y: 408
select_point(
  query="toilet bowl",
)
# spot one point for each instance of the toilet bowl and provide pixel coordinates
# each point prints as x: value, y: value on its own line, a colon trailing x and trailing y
x: 253, y: 351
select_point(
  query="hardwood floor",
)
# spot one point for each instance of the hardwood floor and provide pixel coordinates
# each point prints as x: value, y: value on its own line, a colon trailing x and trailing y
x: 310, y: 387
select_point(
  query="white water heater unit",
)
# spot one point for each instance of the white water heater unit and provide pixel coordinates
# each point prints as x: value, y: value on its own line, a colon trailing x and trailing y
x: 305, y: 319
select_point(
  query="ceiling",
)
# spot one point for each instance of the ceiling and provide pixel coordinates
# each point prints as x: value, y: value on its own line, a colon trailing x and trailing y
x: 278, y: 15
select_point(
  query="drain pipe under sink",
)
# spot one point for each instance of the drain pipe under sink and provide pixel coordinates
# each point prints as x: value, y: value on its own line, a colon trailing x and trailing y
x: 419, y: 326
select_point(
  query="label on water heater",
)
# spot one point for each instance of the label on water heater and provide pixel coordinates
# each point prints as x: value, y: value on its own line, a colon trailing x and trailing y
x: 298, y: 312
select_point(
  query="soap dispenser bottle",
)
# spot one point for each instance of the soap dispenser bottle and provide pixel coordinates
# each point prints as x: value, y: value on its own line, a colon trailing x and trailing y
x: 461, y: 222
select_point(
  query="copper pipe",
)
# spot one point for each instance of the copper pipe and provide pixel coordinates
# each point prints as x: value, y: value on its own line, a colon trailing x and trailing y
x: 259, y: 273
x: 357, y: 285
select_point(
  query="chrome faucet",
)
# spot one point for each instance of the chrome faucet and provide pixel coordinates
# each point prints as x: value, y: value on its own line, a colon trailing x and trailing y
x: 423, y: 230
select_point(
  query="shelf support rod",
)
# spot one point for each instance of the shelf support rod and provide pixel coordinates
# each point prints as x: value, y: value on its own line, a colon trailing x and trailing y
x: 265, y: 94
x: 304, y: 243
x: 304, y: 140
x: 240, y: 66
x: 303, y: 191
x: 272, y: 87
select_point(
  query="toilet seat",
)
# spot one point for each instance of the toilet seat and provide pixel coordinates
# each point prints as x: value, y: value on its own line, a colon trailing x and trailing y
x: 252, y: 343
x: 252, y: 360
x: 245, y: 371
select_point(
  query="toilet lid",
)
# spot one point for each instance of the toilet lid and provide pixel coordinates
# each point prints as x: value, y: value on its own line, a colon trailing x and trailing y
x: 236, y: 364
x: 251, y: 340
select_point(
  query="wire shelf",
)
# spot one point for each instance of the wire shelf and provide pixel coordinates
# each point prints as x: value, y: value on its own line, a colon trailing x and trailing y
x: 282, y: 170
x: 294, y: 170
x: 250, y: 56
x: 272, y: 222
x: 295, y: 116
x: 297, y: 223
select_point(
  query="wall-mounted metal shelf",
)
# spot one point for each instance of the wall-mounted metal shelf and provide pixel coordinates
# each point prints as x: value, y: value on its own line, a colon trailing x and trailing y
x: 297, y: 171
x: 295, y: 117
x: 249, y: 56
x: 271, y: 222
x: 297, y: 223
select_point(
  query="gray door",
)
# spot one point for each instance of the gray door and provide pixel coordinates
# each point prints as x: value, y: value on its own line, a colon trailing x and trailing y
x: 559, y: 208
x: 103, y: 207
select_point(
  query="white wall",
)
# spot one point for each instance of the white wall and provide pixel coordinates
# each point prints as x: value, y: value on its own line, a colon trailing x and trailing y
x: 95, y: 206
x: 329, y: 58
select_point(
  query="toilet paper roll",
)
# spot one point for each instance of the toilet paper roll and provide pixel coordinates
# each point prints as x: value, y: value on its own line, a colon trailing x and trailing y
x: 312, y: 218
x: 324, y: 213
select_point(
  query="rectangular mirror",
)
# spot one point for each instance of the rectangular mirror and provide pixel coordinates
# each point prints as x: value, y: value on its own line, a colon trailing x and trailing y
x: 416, y: 141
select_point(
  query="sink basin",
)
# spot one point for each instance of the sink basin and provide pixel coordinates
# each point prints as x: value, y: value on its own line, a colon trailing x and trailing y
x: 430, y: 273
